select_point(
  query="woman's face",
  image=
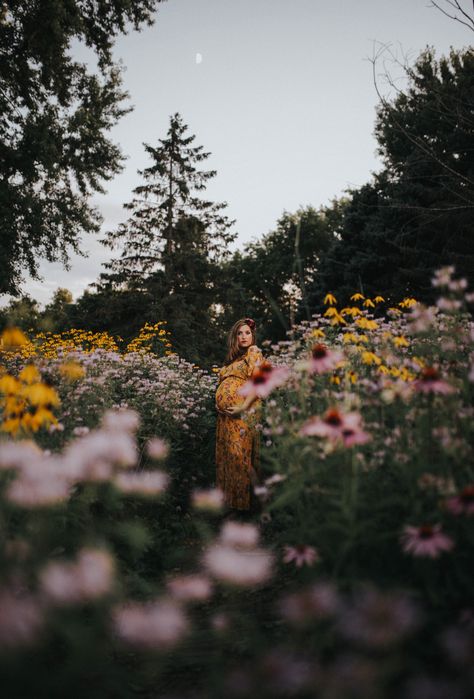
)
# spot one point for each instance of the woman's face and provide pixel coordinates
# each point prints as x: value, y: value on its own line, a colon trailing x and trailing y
x: 244, y: 336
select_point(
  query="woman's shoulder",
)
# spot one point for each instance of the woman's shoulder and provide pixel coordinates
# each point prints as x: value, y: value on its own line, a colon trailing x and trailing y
x: 254, y: 350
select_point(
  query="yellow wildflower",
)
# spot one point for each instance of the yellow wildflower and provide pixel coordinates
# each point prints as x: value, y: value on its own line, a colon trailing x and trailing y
x: 9, y: 385
x: 370, y: 358
x: 12, y: 338
x: 317, y: 332
x: 331, y: 311
x: 29, y: 374
x: 329, y: 299
x: 383, y: 369
x: 408, y: 302
x: 400, y: 341
x: 337, y: 319
x: 40, y: 394
x: 367, y: 324
x: 72, y: 371
x: 368, y: 303
x: 379, y: 299
x: 357, y: 297
x: 349, y: 337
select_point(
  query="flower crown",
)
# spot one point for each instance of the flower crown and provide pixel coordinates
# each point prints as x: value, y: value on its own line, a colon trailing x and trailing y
x: 250, y: 322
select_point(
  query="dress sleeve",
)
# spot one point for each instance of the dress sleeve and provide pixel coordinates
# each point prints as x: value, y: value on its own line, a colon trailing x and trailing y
x: 253, y: 359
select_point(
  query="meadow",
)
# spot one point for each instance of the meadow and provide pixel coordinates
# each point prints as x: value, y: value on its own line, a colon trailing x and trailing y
x: 121, y: 574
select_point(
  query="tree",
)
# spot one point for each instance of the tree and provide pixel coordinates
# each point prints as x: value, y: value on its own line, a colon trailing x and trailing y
x: 153, y: 237
x: 54, y: 119
x: 269, y: 280
x: 416, y: 214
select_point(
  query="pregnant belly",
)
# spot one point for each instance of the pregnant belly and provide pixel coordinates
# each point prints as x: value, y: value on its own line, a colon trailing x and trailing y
x: 227, y: 393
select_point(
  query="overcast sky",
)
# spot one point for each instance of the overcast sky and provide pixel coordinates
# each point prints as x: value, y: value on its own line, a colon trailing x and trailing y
x: 279, y: 91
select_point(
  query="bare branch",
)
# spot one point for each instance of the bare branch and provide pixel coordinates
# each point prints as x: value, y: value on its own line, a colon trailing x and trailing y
x: 455, y: 4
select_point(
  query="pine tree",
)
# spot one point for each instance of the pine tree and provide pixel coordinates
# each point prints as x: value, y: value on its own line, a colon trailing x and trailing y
x: 154, y: 237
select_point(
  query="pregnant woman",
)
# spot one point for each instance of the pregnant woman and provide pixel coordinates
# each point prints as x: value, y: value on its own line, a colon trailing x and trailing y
x: 237, y: 440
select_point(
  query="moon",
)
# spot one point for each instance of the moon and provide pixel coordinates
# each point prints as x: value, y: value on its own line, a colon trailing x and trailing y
x: 199, y: 58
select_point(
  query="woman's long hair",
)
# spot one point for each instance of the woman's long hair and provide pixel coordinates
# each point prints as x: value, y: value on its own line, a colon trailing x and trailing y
x: 233, y: 349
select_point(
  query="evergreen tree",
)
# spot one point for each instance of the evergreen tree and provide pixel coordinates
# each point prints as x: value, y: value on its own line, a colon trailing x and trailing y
x: 54, y: 119
x: 173, y: 246
x: 153, y: 238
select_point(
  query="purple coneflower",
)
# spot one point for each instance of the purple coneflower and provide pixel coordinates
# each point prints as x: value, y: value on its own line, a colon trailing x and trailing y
x: 426, y: 540
x: 300, y: 554
x: 463, y: 503
x: 264, y: 379
x: 430, y: 381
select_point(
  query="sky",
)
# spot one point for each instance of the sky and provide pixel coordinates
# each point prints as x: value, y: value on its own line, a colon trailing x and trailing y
x: 279, y: 91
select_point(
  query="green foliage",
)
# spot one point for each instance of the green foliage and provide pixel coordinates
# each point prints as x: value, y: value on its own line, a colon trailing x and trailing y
x: 54, y: 116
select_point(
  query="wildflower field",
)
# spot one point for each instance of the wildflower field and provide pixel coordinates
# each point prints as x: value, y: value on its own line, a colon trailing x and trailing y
x: 120, y: 575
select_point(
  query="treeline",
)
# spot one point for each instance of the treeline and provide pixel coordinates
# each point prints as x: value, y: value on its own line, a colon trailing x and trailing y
x: 172, y: 259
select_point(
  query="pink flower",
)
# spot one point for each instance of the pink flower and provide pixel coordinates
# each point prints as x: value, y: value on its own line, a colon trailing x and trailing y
x: 21, y: 619
x: 158, y: 448
x: 337, y: 426
x: 319, y: 601
x: 322, y: 359
x: 241, y: 567
x: 462, y: 503
x: 264, y: 379
x: 190, y: 588
x: 39, y: 484
x: 426, y: 540
x: 159, y: 624
x: 212, y: 499
x: 301, y: 555
x: 121, y: 420
x: 147, y: 483
x: 378, y: 620
x: 90, y: 577
x: 431, y: 382
x: 239, y: 535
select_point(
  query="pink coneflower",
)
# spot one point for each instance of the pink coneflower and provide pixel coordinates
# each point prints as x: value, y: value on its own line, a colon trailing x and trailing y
x: 431, y: 382
x: 335, y: 425
x: 463, y: 503
x: 264, y: 379
x: 300, y: 554
x: 322, y: 359
x: 426, y: 540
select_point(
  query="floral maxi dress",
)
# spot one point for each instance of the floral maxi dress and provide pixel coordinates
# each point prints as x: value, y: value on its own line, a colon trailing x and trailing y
x: 237, y: 440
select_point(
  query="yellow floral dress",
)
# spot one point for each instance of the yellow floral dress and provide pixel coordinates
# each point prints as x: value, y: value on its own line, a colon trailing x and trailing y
x: 237, y: 440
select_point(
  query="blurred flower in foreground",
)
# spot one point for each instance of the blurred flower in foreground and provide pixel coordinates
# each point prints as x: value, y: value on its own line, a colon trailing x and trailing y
x: 21, y: 619
x: 301, y: 555
x: 190, y: 588
x: 235, y: 559
x: 87, y: 578
x: 463, y: 503
x: 264, y: 379
x: 430, y: 381
x: 337, y: 426
x: 321, y: 359
x: 211, y: 500
x: 319, y: 601
x: 427, y: 540
x: 147, y: 483
x: 159, y: 624
x: 121, y: 420
x: 158, y: 448
x: 377, y: 619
